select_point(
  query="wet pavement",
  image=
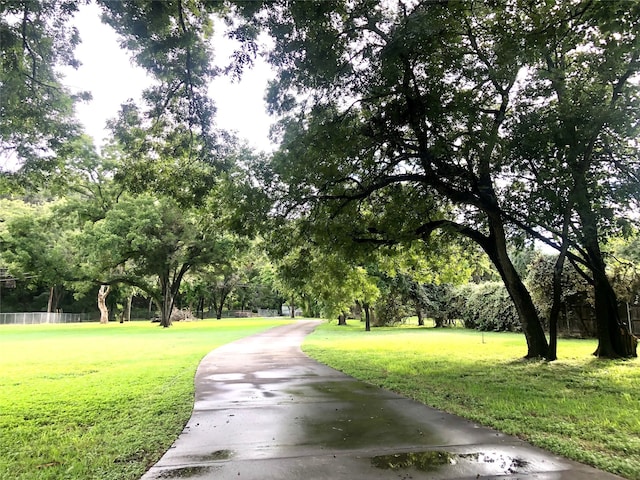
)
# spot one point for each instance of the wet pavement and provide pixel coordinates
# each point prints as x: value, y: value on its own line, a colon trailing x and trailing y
x: 264, y: 410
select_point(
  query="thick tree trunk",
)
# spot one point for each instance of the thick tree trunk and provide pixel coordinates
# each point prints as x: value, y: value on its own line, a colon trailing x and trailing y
x: 218, y: 303
x: 342, y: 319
x: 50, y: 301
x: 614, y: 338
x: 555, y: 307
x: 167, y: 303
x: 103, y: 292
x: 420, y: 317
x: 367, y: 317
x: 496, y: 248
x: 126, y: 314
x: 55, y: 296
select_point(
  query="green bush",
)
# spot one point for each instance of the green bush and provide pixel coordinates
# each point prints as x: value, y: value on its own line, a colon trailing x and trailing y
x: 485, y: 306
x: 391, y: 309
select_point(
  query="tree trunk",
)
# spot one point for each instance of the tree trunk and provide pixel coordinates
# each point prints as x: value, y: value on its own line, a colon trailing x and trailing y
x: 216, y: 309
x: 496, y: 248
x: 103, y: 292
x: 56, y: 295
x: 167, y: 303
x: 420, y: 317
x: 342, y: 319
x: 367, y: 317
x: 50, y: 301
x: 557, y: 287
x: 555, y: 306
x: 127, y: 308
x: 218, y: 303
x: 614, y: 338
x: 292, y: 308
x: 201, y: 307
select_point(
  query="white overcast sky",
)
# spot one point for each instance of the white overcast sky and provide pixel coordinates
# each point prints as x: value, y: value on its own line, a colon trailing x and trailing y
x: 110, y: 76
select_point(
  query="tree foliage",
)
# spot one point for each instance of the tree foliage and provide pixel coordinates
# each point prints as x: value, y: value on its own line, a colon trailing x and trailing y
x: 150, y: 243
x: 399, y: 111
x: 36, y: 108
x: 406, y: 117
x: 36, y: 248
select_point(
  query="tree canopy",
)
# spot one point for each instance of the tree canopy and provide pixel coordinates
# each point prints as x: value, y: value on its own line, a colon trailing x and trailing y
x: 36, y: 108
x: 412, y: 112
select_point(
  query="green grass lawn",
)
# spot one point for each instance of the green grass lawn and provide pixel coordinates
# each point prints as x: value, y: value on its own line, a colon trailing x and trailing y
x: 580, y: 407
x: 90, y: 401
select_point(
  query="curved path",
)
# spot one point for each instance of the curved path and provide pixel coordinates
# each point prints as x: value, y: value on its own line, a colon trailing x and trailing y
x: 264, y: 410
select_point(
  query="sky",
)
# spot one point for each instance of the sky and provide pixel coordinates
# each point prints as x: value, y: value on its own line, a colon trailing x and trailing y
x: 110, y: 76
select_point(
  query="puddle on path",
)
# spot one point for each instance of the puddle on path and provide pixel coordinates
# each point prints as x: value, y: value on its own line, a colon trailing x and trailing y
x: 494, y: 463
x: 226, y: 377
x: 185, y: 472
x: 350, y: 417
x: 221, y: 455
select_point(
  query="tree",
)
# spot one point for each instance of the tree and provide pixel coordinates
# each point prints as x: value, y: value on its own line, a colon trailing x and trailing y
x: 543, y: 279
x: 37, y: 110
x: 150, y: 243
x: 412, y: 118
x: 170, y: 39
x: 173, y: 130
x: 574, y: 150
x: 380, y: 100
x: 224, y: 271
x: 86, y: 182
x: 36, y: 248
x: 103, y: 291
x: 313, y: 274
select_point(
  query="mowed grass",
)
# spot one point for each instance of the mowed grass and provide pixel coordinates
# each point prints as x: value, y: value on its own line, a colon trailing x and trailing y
x: 90, y: 401
x: 579, y: 407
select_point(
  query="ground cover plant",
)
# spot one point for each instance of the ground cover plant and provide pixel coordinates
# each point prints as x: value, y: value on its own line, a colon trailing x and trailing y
x: 579, y: 407
x: 90, y: 401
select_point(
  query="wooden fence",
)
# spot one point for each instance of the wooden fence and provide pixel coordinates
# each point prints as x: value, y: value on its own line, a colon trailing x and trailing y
x: 580, y: 320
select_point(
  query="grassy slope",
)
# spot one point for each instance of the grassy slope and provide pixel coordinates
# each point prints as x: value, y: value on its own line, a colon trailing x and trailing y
x: 579, y: 407
x: 89, y: 401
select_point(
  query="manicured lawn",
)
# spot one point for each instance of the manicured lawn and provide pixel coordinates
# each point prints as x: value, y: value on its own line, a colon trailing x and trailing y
x: 90, y: 401
x: 578, y: 406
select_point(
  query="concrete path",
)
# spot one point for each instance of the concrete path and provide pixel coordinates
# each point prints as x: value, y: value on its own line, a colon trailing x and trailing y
x: 264, y: 411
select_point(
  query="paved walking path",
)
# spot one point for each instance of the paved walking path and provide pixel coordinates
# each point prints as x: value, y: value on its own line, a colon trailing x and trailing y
x: 266, y: 411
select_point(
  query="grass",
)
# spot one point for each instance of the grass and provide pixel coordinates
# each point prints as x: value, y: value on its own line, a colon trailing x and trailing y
x: 579, y: 407
x: 90, y: 401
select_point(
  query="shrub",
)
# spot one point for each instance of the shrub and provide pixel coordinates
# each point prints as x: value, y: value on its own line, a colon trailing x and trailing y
x: 486, y: 306
x: 390, y: 309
